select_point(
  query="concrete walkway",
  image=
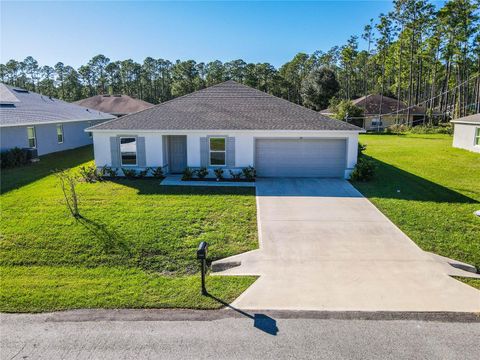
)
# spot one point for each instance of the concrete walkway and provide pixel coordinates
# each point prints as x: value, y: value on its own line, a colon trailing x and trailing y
x: 323, y: 246
x: 176, y: 180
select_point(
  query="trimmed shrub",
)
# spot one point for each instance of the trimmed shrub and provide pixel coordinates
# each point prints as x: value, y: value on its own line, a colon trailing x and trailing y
x: 143, y: 173
x: 218, y: 173
x: 187, y: 174
x: 364, y: 170
x: 129, y: 173
x: 201, y: 173
x: 107, y: 171
x: 361, y: 148
x: 235, y: 175
x: 13, y: 158
x: 249, y: 173
x: 89, y: 174
x: 158, y: 173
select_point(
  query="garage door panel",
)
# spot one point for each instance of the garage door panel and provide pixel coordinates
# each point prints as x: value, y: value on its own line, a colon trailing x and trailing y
x: 300, y: 157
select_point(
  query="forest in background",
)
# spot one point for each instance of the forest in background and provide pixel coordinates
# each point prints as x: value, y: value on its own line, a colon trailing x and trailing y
x: 416, y: 53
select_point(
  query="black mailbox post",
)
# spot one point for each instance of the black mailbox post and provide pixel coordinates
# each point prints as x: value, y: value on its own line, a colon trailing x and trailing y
x: 202, y: 256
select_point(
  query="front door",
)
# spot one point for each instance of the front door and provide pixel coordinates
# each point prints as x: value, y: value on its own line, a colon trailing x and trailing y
x: 177, y: 153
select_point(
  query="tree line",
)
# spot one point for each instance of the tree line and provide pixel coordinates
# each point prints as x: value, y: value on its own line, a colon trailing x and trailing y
x: 416, y: 53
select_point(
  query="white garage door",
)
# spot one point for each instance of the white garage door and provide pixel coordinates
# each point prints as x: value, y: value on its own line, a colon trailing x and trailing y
x: 300, y: 157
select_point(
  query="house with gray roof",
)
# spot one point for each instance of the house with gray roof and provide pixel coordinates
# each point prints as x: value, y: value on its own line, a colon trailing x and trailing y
x: 229, y: 126
x: 466, y: 133
x: 380, y: 111
x: 118, y: 105
x: 31, y: 120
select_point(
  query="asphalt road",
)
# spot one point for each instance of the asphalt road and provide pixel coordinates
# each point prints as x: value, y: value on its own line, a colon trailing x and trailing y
x: 247, y: 336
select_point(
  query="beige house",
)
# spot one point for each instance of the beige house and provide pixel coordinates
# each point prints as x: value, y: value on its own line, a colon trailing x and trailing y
x: 383, y: 111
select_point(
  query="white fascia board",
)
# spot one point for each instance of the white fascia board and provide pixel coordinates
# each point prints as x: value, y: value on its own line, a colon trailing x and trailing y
x: 465, y: 122
x: 51, y: 122
x: 126, y: 131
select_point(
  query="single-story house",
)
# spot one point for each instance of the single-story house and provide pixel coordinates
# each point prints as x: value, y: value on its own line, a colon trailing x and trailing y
x: 118, y: 105
x: 31, y: 120
x: 229, y: 126
x: 466, y: 133
x: 381, y: 112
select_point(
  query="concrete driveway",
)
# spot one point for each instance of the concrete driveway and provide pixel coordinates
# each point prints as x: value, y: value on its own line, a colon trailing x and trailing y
x: 323, y: 246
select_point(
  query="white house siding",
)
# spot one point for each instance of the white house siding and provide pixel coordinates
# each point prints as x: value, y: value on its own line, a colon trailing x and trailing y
x: 464, y: 137
x: 244, y: 144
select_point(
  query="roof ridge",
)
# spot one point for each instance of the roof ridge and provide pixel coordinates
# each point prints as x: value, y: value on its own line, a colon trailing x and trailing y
x: 177, y: 98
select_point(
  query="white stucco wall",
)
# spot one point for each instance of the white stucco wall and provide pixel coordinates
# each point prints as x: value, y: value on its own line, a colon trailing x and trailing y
x: 244, y: 144
x: 464, y: 137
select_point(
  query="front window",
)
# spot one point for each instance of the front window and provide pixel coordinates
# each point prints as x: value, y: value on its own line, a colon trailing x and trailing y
x: 128, y: 150
x: 217, y: 151
x: 32, y: 140
x: 60, y: 133
x: 477, y: 136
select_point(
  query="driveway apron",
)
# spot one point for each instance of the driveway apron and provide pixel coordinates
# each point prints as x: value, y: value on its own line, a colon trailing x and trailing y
x: 323, y: 246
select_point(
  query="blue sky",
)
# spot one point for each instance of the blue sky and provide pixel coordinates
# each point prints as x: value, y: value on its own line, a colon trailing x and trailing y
x: 73, y: 32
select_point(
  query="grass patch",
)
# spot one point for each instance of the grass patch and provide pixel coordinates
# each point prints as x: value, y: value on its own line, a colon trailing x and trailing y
x: 429, y: 190
x: 36, y: 289
x: 139, y: 231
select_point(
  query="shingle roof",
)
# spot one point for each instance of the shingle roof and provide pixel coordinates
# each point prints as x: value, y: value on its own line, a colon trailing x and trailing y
x: 371, y: 106
x: 32, y: 108
x: 471, y: 119
x: 226, y: 106
x: 6, y: 96
x: 114, y: 104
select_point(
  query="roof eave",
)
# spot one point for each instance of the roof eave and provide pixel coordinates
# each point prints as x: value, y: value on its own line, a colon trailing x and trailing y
x: 55, y: 122
x: 93, y: 129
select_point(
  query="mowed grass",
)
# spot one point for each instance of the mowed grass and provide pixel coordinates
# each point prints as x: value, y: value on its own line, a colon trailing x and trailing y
x: 134, y: 247
x: 429, y: 190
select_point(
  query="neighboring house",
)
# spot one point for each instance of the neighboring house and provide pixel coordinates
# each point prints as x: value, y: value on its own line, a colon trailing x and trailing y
x: 31, y: 120
x: 466, y: 133
x: 118, y: 105
x: 375, y: 105
x: 229, y: 126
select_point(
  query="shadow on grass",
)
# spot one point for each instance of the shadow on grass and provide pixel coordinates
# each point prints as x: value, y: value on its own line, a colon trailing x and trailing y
x: 110, y: 240
x: 17, y: 177
x: 260, y: 321
x: 152, y: 187
x: 391, y: 182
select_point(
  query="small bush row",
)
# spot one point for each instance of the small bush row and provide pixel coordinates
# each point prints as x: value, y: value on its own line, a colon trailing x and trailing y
x: 420, y: 129
x: 247, y: 173
x: 93, y: 174
x: 13, y: 157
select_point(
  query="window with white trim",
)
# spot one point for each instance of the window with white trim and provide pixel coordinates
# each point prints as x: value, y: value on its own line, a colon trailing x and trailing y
x: 477, y: 137
x: 60, y: 133
x: 32, y: 138
x: 217, y: 151
x: 128, y: 151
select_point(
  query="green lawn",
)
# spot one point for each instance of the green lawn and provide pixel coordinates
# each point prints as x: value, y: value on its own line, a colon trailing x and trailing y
x: 135, y: 246
x: 429, y: 190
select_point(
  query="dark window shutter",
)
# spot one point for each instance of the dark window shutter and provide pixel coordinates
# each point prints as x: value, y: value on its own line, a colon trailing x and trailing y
x: 231, y: 152
x: 115, y: 151
x: 203, y: 152
x: 141, y: 153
